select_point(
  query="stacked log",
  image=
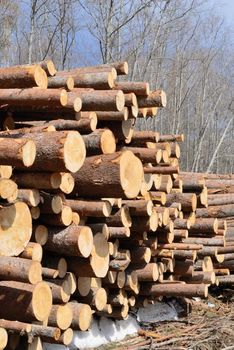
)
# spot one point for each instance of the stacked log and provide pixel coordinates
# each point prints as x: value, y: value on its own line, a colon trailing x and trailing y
x: 96, y: 217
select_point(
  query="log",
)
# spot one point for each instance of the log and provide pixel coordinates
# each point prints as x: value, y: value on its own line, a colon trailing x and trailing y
x: 15, y: 229
x: 17, y: 327
x: 217, y: 211
x: 82, y: 315
x: 5, y: 171
x: 61, y: 82
x: 175, y: 289
x: 100, y: 141
x: 47, y: 65
x: 98, y: 263
x: 138, y: 88
x: 90, y: 208
x: 97, y: 298
x: 17, y: 152
x: 187, y: 200
x: 55, y: 262
x: 83, y: 125
x: 156, y: 98
x: 42, y: 181
x: 140, y: 138
x: 119, y: 232
x: 8, y: 190
x: 119, y: 218
x: 23, y: 77
x: 121, y: 175
x: 49, y: 273
x: 39, y: 234
x: 113, y: 116
x: 209, y: 225
x: 72, y: 241
x: 98, y: 80
x: 32, y: 251
x: 146, y: 155
x: 61, y: 316
x: 164, y: 170
x: 148, y: 273
x: 122, y: 132
x: 51, y: 204
x: 141, y: 224
x: 139, y: 207
x: 30, y: 197
x: 33, y: 97
x: 45, y: 332
x: 66, y: 148
x: 105, y: 100
x: 60, y: 289
x: 64, y: 218
x: 25, y: 302
x: 121, y: 67
x: 19, y: 269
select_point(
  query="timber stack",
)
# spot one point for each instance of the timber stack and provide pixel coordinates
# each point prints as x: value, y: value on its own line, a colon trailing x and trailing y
x: 95, y: 217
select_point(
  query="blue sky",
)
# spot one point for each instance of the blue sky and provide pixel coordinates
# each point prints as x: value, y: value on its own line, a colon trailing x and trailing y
x: 226, y: 7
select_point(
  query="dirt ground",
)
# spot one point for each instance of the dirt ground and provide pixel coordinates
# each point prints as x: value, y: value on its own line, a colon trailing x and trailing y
x: 209, y: 325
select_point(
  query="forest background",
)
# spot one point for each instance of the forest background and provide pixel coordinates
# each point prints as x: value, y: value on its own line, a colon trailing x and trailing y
x: 182, y: 46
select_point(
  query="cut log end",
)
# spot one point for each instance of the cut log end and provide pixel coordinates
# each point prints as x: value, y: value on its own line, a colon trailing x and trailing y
x: 108, y: 144
x: 3, y: 338
x: 120, y: 101
x: 131, y: 174
x: 40, y: 77
x: 42, y: 301
x: 74, y: 151
x: 28, y: 153
x: 63, y: 97
x: 85, y: 241
x: 77, y: 104
x: 34, y: 274
x: 15, y: 229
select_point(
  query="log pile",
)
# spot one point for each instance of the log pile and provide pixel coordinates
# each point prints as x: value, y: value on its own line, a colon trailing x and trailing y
x: 95, y: 217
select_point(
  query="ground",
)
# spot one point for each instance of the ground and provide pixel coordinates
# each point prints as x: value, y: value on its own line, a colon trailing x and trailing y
x: 208, y: 326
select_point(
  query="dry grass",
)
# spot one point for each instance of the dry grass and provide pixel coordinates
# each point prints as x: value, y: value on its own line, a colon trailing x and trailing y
x: 204, y: 328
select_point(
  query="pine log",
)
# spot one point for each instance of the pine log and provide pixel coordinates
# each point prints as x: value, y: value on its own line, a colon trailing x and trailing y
x: 64, y: 218
x: 23, y: 77
x: 98, y: 263
x: 61, y: 316
x: 156, y: 98
x: 141, y: 224
x: 217, y: 211
x: 30, y: 197
x: 113, y: 116
x: 5, y: 171
x: 105, y: 100
x: 66, y: 148
x: 17, y: 152
x: 47, y: 65
x: 25, y: 302
x: 8, y: 190
x: 97, y: 298
x: 142, y: 137
x: 15, y: 229
x: 187, y: 200
x: 55, y: 262
x: 121, y: 175
x: 33, y: 251
x: 72, y: 241
x: 100, y: 141
x: 138, y: 88
x: 61, y: 82
x: 51, y: 204
x: 33, y: 97
x: 39, y: 234
x: 17, y: 327
x: 119, y: 232
x: 60, y: 289
x: 82, y: 316
x: 122, y: 131
x: 19, y: 269
x: 176, y: 289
